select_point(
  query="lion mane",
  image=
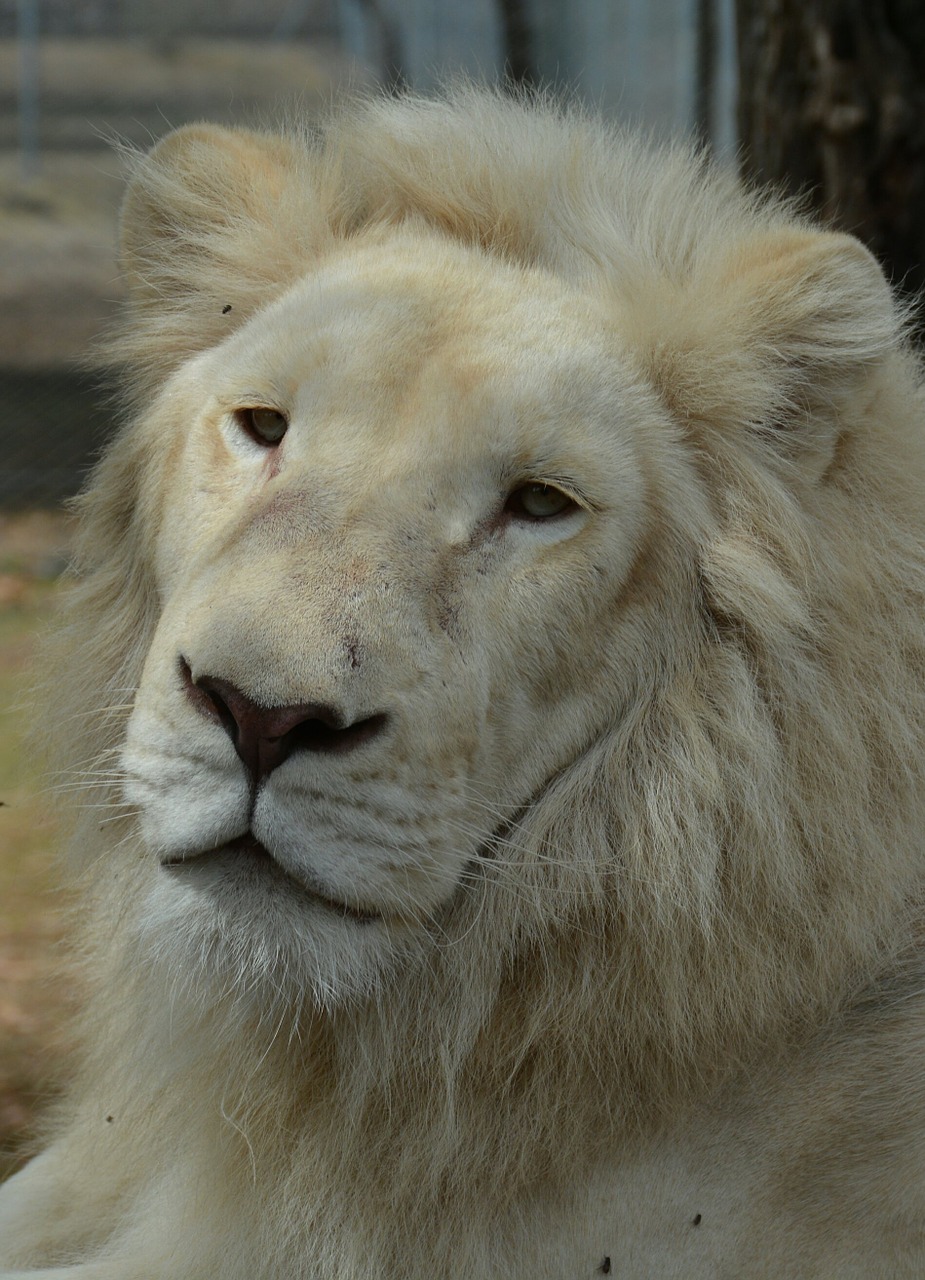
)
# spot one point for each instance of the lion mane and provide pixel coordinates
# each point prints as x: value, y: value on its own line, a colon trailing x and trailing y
x: 668, y: 1021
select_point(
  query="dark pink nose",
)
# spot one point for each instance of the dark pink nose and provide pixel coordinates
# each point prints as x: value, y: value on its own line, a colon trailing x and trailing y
x: 265, y: 736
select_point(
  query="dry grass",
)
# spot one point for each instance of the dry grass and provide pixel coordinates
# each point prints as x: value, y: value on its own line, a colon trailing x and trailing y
x: 31, y: 998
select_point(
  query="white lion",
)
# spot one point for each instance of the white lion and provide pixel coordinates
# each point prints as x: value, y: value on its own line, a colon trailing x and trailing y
x: 513, y: 864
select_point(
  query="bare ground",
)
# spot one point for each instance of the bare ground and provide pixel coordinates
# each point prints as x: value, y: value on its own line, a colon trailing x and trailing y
x: 32, y: 993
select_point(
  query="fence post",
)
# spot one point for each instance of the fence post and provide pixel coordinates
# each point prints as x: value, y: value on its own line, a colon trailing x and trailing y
x: 28, y: 32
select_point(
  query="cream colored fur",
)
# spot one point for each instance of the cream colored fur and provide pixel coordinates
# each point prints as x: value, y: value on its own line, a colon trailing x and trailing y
x: 641, y: 839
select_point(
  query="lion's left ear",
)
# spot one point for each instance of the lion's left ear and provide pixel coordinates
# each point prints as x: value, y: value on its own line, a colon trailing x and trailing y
x: 215, y: 223
x: 776, y: 337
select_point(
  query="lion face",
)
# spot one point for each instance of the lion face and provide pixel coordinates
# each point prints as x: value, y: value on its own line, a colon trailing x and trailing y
x: 461, y: 558
x: 400, y: 505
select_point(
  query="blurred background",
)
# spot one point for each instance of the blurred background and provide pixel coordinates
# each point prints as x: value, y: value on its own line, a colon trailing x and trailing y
x: 822, y: 97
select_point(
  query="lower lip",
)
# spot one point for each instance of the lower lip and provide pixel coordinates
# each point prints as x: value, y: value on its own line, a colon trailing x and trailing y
x: 252, y: 849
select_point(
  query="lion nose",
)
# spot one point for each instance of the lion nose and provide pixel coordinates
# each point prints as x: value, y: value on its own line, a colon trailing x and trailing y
x: 265, y: 736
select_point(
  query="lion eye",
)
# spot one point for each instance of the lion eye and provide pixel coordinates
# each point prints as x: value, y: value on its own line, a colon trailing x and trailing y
x: 539, y: 502
x: 265, y: 426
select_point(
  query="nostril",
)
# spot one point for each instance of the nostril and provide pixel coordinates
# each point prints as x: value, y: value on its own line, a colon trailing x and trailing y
x: 205, y: 696
x: 323, y: 734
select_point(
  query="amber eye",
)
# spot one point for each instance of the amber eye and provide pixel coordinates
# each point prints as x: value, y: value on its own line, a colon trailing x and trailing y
x: 539, y: 502
x: 265, y: 426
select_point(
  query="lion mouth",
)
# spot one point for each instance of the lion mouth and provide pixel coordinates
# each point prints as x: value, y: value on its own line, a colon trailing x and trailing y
x: 249, y: 848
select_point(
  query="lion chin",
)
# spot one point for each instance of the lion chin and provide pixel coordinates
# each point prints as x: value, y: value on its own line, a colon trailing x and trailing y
x: 499, y: 636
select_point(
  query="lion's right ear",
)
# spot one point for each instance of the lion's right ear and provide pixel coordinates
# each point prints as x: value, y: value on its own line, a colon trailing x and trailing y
x: 216, y: 222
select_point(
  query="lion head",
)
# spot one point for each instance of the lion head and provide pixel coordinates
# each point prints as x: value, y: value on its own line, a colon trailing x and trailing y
x: 514, y: 558
x: 385, y: 583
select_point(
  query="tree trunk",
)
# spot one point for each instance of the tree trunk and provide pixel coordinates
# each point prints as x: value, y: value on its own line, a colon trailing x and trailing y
x: 832, y: 105
x: 706, y: 53
x: 517, y: 38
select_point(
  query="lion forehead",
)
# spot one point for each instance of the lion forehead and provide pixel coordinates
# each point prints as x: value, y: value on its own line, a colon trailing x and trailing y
x: 416, y: 376
x: 390, y: 334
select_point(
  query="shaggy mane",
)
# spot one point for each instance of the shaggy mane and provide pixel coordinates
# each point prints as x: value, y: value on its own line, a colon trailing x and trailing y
x: 711, y: 882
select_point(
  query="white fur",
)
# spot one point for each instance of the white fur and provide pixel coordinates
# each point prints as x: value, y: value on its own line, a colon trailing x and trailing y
x: 640, y: 843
